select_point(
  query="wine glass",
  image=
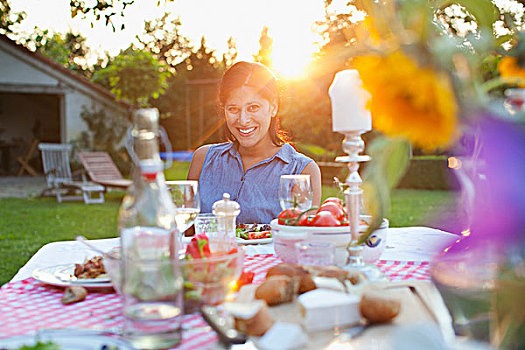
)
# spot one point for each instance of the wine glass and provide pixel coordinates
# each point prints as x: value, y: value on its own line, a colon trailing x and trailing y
x: 185, y: 197
x: 295, y: 191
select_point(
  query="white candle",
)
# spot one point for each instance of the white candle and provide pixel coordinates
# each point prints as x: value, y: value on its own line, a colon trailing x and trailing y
x: 349, y: 100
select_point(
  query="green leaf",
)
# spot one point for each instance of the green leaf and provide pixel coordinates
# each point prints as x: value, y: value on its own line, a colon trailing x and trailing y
x: 484, y: 11
x: 390, y: 159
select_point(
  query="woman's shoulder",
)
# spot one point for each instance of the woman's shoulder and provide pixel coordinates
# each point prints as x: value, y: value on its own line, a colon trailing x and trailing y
x: 212, y: 148
x: 201, y: 154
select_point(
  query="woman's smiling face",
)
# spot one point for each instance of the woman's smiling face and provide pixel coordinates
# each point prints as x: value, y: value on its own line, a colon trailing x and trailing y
x: 248, y: 116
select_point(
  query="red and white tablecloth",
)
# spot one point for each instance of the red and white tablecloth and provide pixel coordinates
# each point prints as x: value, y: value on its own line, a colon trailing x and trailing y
x: 28, y: 305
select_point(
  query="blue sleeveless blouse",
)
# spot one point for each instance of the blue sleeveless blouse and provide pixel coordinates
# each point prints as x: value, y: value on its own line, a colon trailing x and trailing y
x: 256, y: 190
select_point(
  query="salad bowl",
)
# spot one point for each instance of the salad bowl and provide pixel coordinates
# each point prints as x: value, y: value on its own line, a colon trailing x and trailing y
x: 209, y: 272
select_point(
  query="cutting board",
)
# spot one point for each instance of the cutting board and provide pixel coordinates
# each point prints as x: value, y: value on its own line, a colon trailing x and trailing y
x: 421, y: 304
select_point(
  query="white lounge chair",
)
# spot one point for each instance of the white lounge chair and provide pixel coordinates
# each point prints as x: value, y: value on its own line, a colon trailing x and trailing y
x: 60, y: 183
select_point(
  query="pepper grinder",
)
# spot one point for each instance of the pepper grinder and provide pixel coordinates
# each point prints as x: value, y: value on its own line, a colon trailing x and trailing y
x: 226, y: 211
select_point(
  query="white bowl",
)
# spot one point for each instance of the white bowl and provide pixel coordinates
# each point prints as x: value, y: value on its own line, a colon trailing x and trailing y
x: 285, y: 237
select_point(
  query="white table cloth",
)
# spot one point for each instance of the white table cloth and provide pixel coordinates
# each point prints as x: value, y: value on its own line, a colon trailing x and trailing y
x: 403, y: 244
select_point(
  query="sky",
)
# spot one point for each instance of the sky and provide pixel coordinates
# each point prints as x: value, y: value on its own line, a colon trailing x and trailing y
x: 290, y: 25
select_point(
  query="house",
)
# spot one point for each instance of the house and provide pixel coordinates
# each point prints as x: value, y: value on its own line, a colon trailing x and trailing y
x: 40, y: 99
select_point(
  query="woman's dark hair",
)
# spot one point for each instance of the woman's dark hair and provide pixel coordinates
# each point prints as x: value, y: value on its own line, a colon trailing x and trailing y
x: 259, y: 77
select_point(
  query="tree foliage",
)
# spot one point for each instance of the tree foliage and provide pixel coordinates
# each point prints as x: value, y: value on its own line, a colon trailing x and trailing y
x: 135, y: 76
x: 264, y: 56
x: 9, y: 19
x: 101, y: 9
x: 230, y: 56
x: 162, y: 38
x: 67, y: 49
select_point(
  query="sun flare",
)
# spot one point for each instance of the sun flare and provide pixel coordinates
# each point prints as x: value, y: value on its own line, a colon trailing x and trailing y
x: 290, y: 61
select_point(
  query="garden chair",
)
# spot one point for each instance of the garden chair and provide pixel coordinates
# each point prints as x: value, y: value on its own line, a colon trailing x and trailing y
x: 24, y: 161
x: 102, y: 170
x: 60, y: 183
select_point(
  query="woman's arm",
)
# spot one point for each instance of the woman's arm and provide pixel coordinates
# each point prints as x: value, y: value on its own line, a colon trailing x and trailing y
x: 313, y: 170
x: 196, y: 162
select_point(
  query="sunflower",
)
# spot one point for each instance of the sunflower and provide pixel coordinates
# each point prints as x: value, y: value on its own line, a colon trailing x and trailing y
x: 407, y: 100
x: 508, y: 68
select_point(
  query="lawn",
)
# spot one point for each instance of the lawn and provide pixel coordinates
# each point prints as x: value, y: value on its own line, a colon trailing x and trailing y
x: 28, y: 224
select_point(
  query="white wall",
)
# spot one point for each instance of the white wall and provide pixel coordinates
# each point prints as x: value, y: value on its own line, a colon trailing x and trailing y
x: 74, y: 103
x: 14, y: 71
x: 28, y: 75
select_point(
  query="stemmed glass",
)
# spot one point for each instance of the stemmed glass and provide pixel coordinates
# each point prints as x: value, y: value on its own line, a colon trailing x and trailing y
x: 295, y: 191
x: 185, y: 196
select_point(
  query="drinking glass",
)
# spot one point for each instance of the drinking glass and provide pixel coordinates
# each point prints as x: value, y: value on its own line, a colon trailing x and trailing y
x: 295, y: 191
x: 152, y: 301
x: 206, y: 223
x: 185, y: 196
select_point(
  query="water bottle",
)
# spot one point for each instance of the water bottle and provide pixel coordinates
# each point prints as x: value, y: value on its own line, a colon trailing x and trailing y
x: 151, y: 279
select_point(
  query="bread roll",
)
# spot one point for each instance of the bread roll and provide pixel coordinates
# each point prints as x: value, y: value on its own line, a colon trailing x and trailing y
x: 378, y: 306
x: 277, y: 289
x: 251, y: 318
x: 74, y: 294
x: 354, y: 276
x: 306, y: 282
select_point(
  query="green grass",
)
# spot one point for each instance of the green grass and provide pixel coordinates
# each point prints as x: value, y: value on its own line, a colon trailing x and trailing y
x: 178, y: 171
x: 28, y: 224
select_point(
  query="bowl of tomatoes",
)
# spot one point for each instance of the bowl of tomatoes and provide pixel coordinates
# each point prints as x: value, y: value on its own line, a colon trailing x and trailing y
x: 328, y: 223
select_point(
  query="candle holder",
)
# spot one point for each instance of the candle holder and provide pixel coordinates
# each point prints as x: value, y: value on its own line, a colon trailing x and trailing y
x: 353, y: 144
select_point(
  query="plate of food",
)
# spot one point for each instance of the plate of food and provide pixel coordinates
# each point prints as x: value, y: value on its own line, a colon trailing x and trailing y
x: 91, y: 271
x: 90, y: 274
x: 253, y: 234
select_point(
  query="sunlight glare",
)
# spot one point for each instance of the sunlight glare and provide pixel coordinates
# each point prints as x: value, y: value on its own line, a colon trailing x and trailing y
x: 291, y: 59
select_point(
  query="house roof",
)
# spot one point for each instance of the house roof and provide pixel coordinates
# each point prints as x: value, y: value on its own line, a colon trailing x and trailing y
x: 63, y: 70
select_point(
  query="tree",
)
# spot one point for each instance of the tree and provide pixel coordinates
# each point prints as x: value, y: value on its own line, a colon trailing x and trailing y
x: 135, y: 76
x: 67, y: 49
x: 96, y: 10
x: 111, y: 11
x: 264, y: 55
x: 162, y: 38
x: 230, y: 56
x: 202, y: 63
x: 192, y: 90
x: 8, y: 19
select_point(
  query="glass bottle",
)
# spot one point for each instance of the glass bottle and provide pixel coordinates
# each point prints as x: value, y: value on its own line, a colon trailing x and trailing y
x: 151, y: 279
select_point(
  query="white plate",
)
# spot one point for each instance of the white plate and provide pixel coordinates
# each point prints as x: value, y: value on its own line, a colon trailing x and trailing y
x: 67, y: 274
x: 254, y: 241
x: 67, y: 339
x: 48, y: 275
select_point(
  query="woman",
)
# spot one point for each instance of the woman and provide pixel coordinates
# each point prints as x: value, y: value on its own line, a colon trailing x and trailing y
x: 249, y: 166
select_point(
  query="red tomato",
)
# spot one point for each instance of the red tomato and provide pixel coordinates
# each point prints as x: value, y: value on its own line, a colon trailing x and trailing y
x: 288, y: 216
x: 245, y: 278
x: 324, y: 218
x: 333, y: 208
x: 305, y: 220
x: 333, y: 200
x: 259, y: 235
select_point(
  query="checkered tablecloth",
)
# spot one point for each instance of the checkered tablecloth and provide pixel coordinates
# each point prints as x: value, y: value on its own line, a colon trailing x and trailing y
x: 29, y: 305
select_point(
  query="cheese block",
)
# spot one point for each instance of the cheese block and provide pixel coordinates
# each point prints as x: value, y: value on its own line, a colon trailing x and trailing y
x: 325, y: 309
x: 283, y: 336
